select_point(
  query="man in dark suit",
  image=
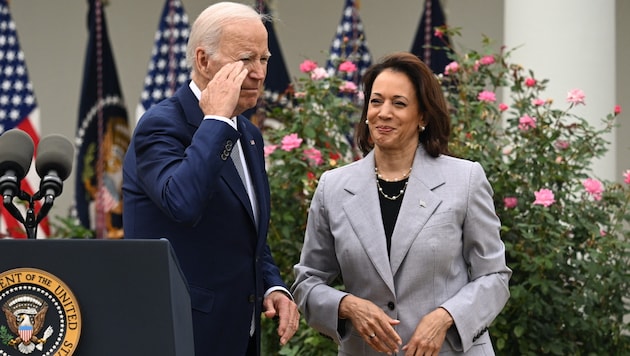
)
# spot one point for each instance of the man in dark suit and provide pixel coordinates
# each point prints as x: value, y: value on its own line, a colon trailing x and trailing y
x: 194, y: 173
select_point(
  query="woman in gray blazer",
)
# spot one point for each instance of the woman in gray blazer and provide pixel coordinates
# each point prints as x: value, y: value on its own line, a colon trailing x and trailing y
x: 410, y: 231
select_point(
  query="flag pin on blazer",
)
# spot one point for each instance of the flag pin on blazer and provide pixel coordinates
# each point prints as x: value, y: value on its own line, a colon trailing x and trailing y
x: 423, y: 204
x: 252, y: 142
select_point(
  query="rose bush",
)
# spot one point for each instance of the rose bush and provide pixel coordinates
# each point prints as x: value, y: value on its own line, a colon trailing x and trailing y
x: 314, y: 136
x: 566, y: 230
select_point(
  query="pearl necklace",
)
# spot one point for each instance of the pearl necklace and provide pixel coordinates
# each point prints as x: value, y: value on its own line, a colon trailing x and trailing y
x: 400, y: 193
x: 404, y: 176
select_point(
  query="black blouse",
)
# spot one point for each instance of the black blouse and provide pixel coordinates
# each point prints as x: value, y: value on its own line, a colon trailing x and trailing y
x: 389, y: 207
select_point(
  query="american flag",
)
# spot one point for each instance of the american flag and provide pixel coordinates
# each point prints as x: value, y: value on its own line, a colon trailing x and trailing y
x: 350, y: 44
x: 18, y: 109
x: 102, y: 135
x: 426, y: 45
x: 167, y: 68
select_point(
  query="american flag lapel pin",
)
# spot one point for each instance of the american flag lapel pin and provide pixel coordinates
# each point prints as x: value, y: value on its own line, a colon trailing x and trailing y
x: 252, y: 142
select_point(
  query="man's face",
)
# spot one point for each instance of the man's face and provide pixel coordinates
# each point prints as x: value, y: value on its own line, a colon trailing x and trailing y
x: 244, y: 41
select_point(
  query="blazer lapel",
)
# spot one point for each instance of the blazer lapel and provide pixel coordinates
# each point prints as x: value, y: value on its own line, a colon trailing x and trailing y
x: 363, y: 211
x: 418, y: 204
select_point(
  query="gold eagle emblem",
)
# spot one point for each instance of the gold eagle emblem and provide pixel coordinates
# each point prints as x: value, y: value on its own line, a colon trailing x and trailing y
x: 25, y: 316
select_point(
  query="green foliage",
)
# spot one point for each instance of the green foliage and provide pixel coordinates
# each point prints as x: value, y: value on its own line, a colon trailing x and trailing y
x: 571, y: 283
x: 5, y: 335
x: 322, y: 118
x: 69, y: 227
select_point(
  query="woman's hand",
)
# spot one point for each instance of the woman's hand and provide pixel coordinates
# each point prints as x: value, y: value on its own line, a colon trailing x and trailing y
x: 430, y: 333
x: 372, y: 323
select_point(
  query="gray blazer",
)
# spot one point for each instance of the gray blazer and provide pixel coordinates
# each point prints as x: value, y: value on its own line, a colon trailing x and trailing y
x: 446, y: 251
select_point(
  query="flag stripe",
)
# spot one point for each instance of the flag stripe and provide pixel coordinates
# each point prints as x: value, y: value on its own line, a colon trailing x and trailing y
x: 18, y: 110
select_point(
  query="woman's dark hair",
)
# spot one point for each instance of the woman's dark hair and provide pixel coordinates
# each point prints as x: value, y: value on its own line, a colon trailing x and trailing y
x: 431, y: 102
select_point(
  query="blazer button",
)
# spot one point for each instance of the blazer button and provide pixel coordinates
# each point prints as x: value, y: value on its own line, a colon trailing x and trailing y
x: 251, y: 298
x: 391, y: 305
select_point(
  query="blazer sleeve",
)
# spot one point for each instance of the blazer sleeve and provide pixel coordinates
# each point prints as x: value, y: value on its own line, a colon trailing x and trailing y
x: 317, y: 270
x: 478, y: 303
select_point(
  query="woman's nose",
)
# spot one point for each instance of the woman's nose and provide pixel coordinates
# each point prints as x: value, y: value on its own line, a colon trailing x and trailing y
x: 385, y: 111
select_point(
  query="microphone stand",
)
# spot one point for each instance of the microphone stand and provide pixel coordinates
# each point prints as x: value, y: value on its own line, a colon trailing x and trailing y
x: 31, y: 221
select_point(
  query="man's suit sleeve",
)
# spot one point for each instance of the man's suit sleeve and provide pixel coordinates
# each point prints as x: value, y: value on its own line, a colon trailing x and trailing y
x: 178, y: 169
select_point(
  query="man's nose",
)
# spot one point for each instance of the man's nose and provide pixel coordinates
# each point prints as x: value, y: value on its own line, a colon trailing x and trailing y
x: 257, y: 70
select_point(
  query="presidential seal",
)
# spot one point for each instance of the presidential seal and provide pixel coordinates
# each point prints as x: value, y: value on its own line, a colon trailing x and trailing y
x: 41, y: 315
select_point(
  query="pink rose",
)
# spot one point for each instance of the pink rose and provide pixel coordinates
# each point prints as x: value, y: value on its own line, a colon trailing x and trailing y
x: 307, y: 66
x: 602, y: 233
x: 486, y: 60
x: 314, y: 155
x: 576, y: 96
x: 617, y: 109
x: 319, y: 73
x: 503, y: 107
x: 347, y: 67
x: 561, y: 144
x: 626, y: 176
x: 438, y: 33
x: 269, y: 149
x: 451, y: 68
x: 530, y: 82
x: 538, y: 102
x: 487, y: 96
x: 348, y: 87
x: 544, y: 197
x: 290, y: 142
x: 593, y: 187
x: 526, y: 122
x: 510, y: 202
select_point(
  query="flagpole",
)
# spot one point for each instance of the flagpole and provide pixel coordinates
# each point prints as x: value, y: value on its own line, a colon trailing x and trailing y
x: 427, y: 32
x: 172, y: 66
x: 100, y: 213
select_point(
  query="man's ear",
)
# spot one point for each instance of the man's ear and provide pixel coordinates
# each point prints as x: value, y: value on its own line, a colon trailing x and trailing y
x: 202, y: 60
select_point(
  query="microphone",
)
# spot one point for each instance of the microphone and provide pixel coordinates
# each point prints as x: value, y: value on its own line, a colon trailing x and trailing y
x: 53, y: 164
x: 16, y: 154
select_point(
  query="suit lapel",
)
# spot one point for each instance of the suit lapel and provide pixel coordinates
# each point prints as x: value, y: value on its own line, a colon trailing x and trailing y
x: 363, y: 211
x: 418, y: 204
x: 248, y: 144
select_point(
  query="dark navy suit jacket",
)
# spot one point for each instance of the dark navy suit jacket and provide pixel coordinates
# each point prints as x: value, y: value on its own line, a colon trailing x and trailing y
x: 180, y: 183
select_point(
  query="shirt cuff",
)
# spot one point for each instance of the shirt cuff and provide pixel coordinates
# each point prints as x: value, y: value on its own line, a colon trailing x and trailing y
x: 221, y: 118
x: 282, y: 289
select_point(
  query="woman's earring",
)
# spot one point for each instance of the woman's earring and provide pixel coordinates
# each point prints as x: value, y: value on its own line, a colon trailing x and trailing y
x: 366, y: 122
x: 420, y: 128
